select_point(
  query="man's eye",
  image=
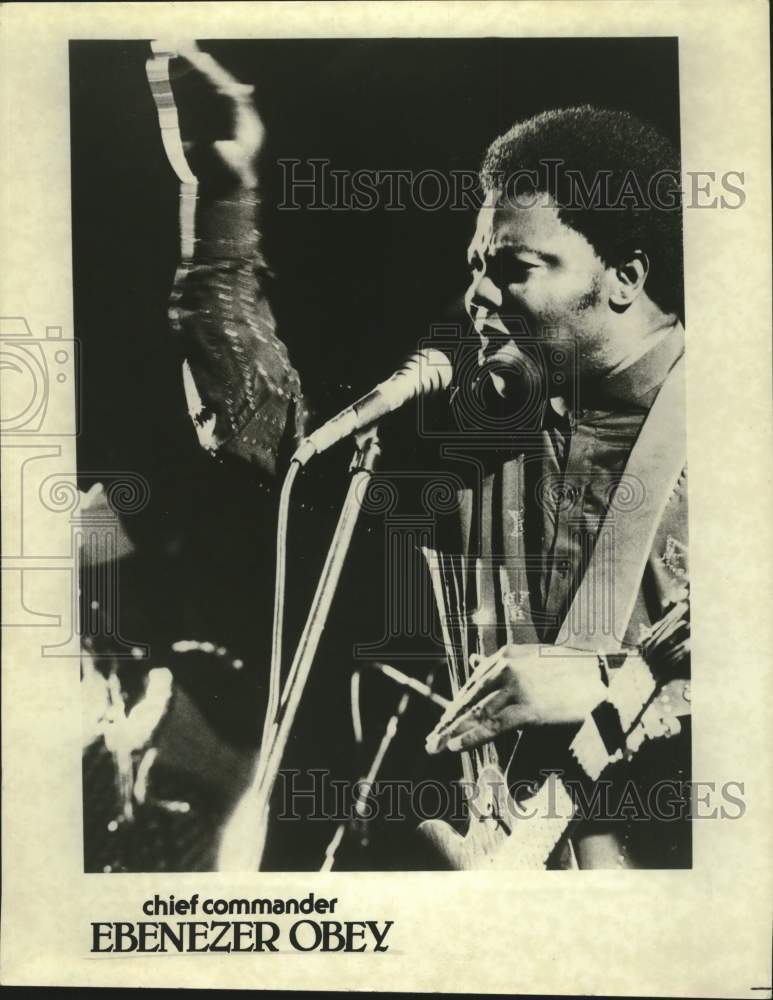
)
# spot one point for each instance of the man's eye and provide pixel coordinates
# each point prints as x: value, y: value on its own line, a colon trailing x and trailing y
x: 514, y: 272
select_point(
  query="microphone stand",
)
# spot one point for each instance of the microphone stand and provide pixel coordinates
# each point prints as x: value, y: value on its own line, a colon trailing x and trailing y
x: 360, y: 819
x: 365, y: 785
x: 363, y: 464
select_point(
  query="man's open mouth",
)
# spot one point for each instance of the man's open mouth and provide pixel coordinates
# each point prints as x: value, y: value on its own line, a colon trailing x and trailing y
x: 501, y: 352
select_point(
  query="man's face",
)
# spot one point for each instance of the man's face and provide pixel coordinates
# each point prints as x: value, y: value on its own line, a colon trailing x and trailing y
x: 533, y: 276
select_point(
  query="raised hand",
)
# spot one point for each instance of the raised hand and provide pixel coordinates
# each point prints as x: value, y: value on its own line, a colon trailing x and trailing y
x: 245, y: 133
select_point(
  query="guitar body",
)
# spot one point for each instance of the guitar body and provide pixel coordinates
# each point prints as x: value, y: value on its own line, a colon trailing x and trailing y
x: 488, y: 805
x: 502, y: 834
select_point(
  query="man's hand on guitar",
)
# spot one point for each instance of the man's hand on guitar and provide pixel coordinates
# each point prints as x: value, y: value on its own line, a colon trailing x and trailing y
x: 516, y: 687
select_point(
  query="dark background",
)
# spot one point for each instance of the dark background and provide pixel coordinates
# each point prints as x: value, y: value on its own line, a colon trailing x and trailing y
x: 355, y: 292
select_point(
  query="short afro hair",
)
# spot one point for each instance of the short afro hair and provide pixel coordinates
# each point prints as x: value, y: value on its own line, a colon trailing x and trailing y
x: 615, y: 179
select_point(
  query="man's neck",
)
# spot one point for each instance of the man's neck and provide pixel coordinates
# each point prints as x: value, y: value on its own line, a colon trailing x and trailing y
x: 641, y: 345
x: 627, y: 347
x: 626, y: 336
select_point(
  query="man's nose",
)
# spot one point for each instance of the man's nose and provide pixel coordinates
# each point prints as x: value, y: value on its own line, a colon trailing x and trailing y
x: 487, y: 294
x: 483, y: 296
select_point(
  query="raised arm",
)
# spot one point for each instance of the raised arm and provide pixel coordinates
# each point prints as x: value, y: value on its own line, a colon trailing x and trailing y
x: 244, y: 396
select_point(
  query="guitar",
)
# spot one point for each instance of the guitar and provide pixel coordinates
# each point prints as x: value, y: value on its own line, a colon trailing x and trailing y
x: 507, y: 832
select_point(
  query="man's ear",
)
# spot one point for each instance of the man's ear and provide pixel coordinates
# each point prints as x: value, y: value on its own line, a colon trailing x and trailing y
x: 628, y: 281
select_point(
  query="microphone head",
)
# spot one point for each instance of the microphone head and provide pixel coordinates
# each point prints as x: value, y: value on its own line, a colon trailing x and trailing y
x: 425, y: 372
x: 429, y: 370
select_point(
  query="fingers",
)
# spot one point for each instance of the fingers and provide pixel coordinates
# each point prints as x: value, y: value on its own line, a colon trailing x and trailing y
x: 477, y: 716
x: 481, y: 667
x: 189, y: 48
x: 485, y: 718
x: 485, y: 677
x: 217, y: 75
x: 174, y: 48
x: 475, y: 732
x: 164, y: 47
x: 484, y: 706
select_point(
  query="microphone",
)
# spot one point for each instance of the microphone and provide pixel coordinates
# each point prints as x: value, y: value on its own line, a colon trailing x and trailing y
x: 425, y: 372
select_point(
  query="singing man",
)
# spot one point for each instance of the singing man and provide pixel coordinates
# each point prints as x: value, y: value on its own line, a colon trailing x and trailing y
x: 576, y: 284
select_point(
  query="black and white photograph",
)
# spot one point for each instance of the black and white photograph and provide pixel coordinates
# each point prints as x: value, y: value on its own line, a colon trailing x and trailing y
x: 485, y: 662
